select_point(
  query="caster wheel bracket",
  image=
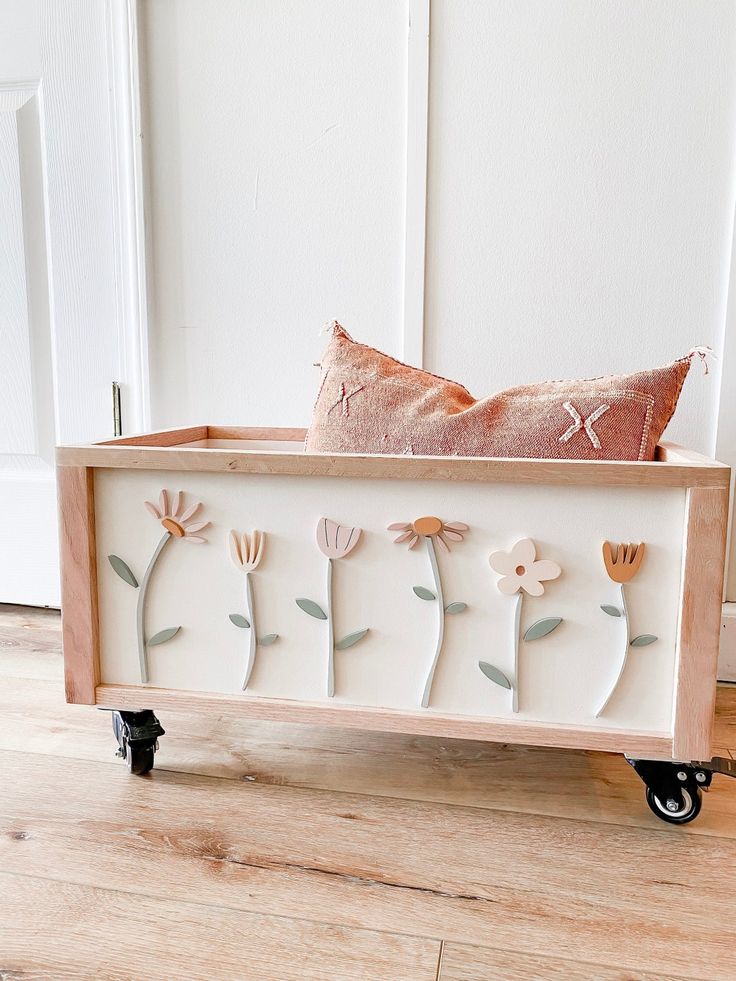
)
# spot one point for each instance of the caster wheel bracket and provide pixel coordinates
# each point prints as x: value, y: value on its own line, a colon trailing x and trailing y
x: 137, y: 734
x: 674, y: 789
x: 721, y: 765
x: 141, y: 728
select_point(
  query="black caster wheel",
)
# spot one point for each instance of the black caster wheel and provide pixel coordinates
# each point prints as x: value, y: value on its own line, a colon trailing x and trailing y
x: 689, y: 809
x: 139, y: 760
x: 137, y: 737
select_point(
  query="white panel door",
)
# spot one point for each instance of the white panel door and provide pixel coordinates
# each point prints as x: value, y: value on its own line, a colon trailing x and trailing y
x: 58, y: 269
x: 274, y: 149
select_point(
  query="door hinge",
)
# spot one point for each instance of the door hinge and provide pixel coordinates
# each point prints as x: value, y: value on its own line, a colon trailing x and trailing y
x: 117, y: 419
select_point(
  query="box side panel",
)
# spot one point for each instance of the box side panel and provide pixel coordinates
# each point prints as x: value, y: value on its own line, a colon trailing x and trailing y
x: 563, y: 676
x: 79, y: 606
x: 700, y: 621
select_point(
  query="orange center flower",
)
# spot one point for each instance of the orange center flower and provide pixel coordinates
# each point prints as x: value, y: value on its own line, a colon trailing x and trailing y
x: 427, y: 526
x: 173, y: 526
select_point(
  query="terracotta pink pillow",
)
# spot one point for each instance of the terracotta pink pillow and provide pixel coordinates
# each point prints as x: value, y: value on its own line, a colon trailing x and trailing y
x: 371, y: 403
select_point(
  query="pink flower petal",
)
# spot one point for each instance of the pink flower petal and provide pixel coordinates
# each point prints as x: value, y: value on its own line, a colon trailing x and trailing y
x: 399, y: 526
x: 197, y: 526
x: 353, y: 537
x: 326, y: 529
x: 235, y: 553
x: 456, y: 526
x: 523, y: 553
x: 509, y: 585
x: 163, y: 500
x: 153, y: 509
x: 443, y: 541
x: 502, y: 563
x: 544, y: 569
x: 259, y: 539
x: 194, y: 540
x: 454, y: 536
x: 404, y: 538
x: 189, y: 512
x: 176, y: 506
x: 414, y: 540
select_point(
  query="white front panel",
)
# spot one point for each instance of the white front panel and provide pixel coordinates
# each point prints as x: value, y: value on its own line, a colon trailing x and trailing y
x: 563, y: 677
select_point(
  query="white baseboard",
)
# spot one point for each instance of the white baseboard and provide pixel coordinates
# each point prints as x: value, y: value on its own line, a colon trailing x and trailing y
x: 727, y: 659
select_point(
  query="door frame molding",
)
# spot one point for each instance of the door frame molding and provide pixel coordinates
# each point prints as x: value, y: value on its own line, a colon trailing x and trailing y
x: 415, y: 221
x: 131, y: 301
x: 129, y: 197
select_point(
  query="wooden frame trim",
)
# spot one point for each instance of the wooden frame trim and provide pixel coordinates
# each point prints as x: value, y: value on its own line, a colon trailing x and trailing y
x: 271, y: 433
x: 79, y: 609
x: 160, y: 438
x: 163, y: 451
x: 428, y: 723
x: 699, y: 628
x: 674, y: 453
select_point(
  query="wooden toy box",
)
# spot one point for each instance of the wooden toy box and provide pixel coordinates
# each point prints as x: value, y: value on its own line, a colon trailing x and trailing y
x: 325, y: 598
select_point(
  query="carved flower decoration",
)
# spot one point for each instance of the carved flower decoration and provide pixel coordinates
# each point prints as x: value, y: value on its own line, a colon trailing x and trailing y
x: 177, y: 519
x: 623, y: 563
x: 336, y: 540
x: 246, y: 550
x: 429, y: 527
x: 520, y: 569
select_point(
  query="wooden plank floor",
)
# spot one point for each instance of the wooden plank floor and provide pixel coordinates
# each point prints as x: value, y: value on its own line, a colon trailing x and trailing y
x: 263, y: 852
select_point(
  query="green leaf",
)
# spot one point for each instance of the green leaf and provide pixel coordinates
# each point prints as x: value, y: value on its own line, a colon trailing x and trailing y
x: 424, y: 593
x: 350, y: 640
x: 310, y: 607
x: 542, y: 627
x: 268, y: 640
x: 612, y: 611
x: 123, y: 570
x: 494, y: 674
x: 456, y: 607
x: 239, y: 620
x: 163, y: 635
x: 643, y: 640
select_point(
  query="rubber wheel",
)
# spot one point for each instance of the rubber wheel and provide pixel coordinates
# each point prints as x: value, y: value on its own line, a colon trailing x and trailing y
x: 139, y: 760
x: 692, y: 803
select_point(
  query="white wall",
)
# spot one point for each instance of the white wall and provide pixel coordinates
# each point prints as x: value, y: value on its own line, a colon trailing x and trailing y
x: 580, y: 193
x: 581, y: 184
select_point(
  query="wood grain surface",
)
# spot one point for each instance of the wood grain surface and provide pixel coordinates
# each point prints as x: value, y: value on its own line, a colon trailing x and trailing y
x: 272, y: 851
x: 165, y: 452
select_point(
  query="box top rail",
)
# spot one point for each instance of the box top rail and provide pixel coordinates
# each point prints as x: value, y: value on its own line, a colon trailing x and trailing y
x: 280, y: 451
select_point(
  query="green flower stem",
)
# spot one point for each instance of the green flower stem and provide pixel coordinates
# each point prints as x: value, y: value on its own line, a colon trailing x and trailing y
x: 517, y: 638
x: 330, y: 635
x: 623, y: 659
x: 253, y: 639
x: 431, y: 552
x: 140, y: 613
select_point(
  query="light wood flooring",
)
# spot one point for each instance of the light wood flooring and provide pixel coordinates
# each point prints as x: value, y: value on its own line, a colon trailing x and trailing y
x: 264, y: 852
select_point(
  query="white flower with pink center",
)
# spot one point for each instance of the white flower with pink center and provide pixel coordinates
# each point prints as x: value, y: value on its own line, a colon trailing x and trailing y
x: 521, y: 572
x: 521, y: 569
